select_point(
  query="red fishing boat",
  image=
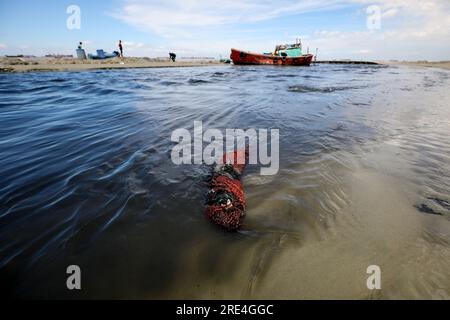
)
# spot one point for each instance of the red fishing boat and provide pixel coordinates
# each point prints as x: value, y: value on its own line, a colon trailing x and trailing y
x: 288, y: 54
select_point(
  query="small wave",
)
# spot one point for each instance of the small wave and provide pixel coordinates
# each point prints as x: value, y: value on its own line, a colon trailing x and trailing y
x: 197, y: 81
x: 151, y: 79
x: 308, y: 76
x: 58, y: 80
x: 360, y: 104
x: 36, y: 89
x: 305, y: 89
x: 221, y: 74
x: 282, y: 76
x: 169, y: 83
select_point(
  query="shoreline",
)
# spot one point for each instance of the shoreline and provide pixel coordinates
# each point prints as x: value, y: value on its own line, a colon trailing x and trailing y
x: 21, y: 65
x: 34, y: 64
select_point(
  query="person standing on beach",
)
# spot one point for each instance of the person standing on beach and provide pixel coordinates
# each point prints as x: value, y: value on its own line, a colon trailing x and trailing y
x: 121, y: 48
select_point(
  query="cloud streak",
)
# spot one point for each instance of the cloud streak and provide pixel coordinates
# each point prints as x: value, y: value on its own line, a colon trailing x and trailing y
x: 167, y: 18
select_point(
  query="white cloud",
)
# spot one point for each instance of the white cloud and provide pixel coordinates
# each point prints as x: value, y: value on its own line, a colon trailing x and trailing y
x: 136, y: 48
x: 3, y: 46
x: 410, y: 29
x: 169, y: 18
x: 389, y: 13
x: 133, y: 45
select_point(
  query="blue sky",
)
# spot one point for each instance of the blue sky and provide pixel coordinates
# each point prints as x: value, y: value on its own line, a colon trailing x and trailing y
x: 408, y: 29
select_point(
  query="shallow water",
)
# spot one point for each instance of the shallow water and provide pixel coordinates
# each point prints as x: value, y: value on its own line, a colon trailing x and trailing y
x: 86, y: 179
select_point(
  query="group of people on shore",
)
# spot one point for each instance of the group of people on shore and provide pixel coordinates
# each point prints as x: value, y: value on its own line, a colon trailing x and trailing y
x: 172, y: 56
x: 118, y: 53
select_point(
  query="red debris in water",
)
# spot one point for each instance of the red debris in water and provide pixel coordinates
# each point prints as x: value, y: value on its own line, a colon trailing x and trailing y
x: 226, y: 201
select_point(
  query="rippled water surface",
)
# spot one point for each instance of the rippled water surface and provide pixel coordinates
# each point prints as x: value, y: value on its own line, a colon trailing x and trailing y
x: 86, y: 179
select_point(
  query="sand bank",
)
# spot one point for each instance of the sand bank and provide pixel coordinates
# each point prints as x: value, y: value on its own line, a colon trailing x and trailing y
x: 426, y: 64
x: 71, y: 64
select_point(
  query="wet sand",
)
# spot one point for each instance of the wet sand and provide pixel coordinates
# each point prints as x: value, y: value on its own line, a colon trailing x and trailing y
x: 426, y: 64
x: 72, y: 64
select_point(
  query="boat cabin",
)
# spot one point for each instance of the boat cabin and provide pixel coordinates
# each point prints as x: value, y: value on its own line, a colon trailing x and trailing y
x: 288, y: 50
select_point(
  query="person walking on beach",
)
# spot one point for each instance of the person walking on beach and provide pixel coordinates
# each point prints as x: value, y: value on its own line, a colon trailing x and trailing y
x: 121, y: 49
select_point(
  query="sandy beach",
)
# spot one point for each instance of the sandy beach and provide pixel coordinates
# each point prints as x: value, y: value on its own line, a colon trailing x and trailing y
x: 27, y: 64
x: 71, y: 64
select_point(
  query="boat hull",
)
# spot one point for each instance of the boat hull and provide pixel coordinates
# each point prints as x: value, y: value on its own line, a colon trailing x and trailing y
x: 240, y: 57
